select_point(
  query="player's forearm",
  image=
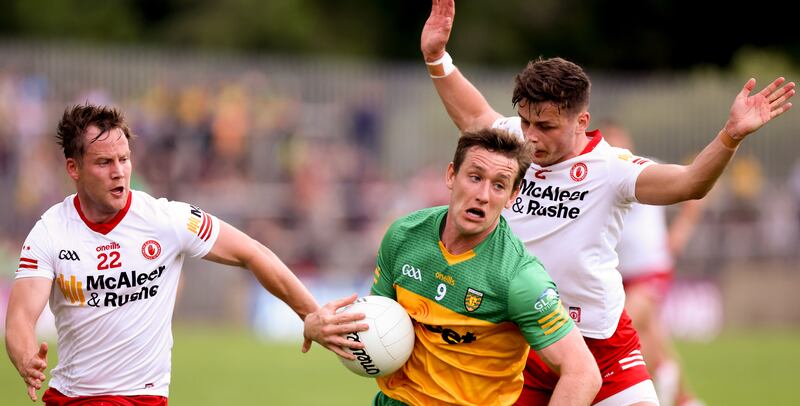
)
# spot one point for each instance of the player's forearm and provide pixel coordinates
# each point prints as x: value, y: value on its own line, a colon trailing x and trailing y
x: 707, y: 167
x: 21, y: 342
x: 465, y: 105
x: 279, y: 280
x: 576, y: 387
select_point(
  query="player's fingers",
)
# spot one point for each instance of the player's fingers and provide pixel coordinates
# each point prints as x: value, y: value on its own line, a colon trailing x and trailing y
x: 342, y: 301
x: 340, y: 352
x: 748, y: 87
x: 32, y: 393
x: 347, y: 317
x: 43, y: 350
x: 779, y: 101
x: 306, y: 345
x: 786, y: 91
x: 780, y: 110
x: 341, y: 329
x: 772, y: 86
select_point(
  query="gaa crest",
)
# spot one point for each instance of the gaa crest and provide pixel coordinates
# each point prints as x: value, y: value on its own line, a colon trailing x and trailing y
x: 473, y: 299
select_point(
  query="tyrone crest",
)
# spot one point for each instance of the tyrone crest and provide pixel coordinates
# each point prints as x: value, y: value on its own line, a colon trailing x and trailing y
x: 473, y: 299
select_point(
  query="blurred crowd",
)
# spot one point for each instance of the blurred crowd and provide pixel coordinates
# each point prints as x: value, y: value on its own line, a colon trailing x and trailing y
x: 303, y: 172
x: 304, y: 177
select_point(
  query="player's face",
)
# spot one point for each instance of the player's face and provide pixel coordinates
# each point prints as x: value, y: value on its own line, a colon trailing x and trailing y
x: 479, y: 191
x: 556, y: 135
x: 103, y: 175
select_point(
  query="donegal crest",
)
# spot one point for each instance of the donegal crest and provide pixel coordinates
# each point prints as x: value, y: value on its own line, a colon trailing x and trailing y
x: 473, y: 299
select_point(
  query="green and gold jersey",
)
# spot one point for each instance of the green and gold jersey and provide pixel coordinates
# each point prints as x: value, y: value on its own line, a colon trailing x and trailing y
x: 476, y: 314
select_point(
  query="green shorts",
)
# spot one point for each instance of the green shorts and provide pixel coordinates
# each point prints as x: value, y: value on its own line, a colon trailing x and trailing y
x: 382, y: 400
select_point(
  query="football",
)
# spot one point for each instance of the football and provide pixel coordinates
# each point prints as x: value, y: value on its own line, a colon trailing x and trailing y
x: 387, y: 343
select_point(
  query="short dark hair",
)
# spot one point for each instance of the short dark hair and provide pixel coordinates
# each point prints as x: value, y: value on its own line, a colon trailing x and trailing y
x: 553, y: 80
x: 77, y: 119
x: 495, y: 140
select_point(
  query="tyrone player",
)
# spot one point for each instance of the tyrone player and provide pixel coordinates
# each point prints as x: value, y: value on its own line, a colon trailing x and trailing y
x: 573, y: 198
x: 646, y: 251
x: 108, y: 258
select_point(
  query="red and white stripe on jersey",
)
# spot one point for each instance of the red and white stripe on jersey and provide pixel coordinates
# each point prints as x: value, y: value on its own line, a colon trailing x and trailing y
x: 27, y: 263
x: 205, y: 227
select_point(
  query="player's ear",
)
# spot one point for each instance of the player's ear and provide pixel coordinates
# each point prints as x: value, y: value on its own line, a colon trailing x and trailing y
x: 72, y: 166
x: 513, y: 197
x: 450, y: 177
x: 583, y: 122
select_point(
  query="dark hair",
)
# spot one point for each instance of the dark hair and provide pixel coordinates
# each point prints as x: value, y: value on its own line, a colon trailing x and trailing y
x: 553, y: 80
x: 495, y: 140
x: 77, y: 119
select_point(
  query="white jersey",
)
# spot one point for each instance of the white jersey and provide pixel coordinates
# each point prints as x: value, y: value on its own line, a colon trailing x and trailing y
x: 114, y: 287
x: 643, y: 248
x: 569, y: 215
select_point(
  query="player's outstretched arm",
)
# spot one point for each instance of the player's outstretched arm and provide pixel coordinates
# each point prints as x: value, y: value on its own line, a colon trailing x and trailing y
x: 579, y: 379
x: 669, y: 184
x: 465, y: 105
x: 27, y: 300
x: 236, y: 248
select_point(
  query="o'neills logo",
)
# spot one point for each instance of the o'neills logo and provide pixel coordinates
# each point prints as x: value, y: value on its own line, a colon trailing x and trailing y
x: 362, y: 357
x: 151, y: 249
x: 111, y: 246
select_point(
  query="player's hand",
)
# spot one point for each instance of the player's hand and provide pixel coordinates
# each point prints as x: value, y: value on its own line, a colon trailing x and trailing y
x: 749, y: 113
x: 33, y: 371
x: 436, y: 32
x: 328, y: 328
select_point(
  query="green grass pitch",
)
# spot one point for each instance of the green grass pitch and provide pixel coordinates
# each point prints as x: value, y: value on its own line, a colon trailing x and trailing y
x: 227, y: 367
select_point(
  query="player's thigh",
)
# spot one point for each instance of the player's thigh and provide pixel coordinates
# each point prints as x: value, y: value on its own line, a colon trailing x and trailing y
x: 641, y: 394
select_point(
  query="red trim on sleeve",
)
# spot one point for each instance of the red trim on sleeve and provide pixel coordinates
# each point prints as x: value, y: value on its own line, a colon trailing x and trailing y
x: 104, y: 228
x: 595, y: 138
x: 205, y: 234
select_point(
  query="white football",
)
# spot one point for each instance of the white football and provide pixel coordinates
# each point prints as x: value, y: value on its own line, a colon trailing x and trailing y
x: 387, y: 343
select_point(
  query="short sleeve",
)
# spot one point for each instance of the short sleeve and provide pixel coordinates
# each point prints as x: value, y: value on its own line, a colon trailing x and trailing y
x: 197, y: 230
x: 383, y: 281
x: 35, y: 258
x: 534, y: 305
x: 627, y: 167
x: 510, y: 124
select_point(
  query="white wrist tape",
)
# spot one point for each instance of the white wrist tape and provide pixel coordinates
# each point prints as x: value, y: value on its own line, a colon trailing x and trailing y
x: 441, y: 67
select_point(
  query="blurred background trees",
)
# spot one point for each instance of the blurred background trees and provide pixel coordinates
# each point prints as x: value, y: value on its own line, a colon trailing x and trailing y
x: 622, y: 35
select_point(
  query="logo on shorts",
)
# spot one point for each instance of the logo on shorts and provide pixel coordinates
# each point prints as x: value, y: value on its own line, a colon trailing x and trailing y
x: 575, y: 313
x: 578, y: 172
x: 151, y: 249
x: 473, y: 299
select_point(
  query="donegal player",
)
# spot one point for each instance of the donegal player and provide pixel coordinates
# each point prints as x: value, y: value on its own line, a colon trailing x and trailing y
x: 478, y: 300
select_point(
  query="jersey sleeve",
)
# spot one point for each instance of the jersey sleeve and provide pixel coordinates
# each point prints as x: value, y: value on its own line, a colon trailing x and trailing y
x: 627, y: 167
x: 510, y: 124
x: 197, y: 230
x: 534, y: 304
x: 36, y: 258
x: 383, y: 282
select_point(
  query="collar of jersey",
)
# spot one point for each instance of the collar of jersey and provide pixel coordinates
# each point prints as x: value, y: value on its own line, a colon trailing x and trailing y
x: 104, y: 228
x: 595, y: 138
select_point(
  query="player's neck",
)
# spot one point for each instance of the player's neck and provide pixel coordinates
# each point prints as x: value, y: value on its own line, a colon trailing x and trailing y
x: 93, y: 212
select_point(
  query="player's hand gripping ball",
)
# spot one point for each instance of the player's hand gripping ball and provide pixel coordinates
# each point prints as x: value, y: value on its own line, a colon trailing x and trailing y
x: 387, y: 343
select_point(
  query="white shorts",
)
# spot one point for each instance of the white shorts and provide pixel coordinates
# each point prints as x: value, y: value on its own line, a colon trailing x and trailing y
x: 641, y: 392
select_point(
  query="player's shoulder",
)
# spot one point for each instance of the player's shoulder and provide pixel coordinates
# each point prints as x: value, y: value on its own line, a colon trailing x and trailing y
x: 418, y: 219
x: 620, y: 155
x: 415, y: 226
x: 60, y: 212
